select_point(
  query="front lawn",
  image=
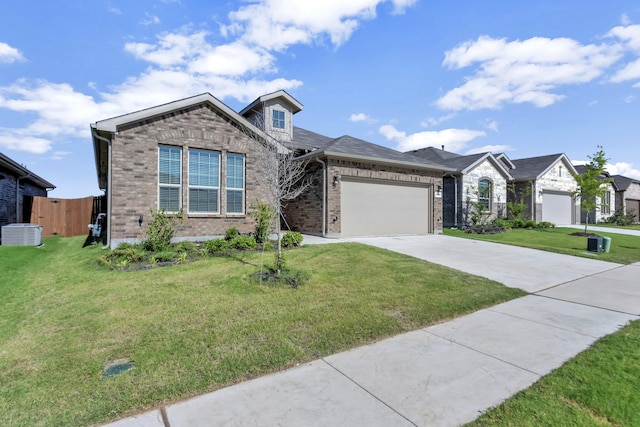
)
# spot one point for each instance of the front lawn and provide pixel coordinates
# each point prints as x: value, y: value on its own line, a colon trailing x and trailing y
x: 622, y: 227
x: 624, y: 249
x: 599, y: 387
x: 198, y: 326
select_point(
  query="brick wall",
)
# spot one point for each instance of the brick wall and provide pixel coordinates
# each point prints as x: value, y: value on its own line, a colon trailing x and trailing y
x: 305, y: 213
x: 135, y: 172
x: 8, y: 198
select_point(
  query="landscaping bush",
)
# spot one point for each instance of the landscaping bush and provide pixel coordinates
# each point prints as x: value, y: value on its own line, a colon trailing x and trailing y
x: 122, y: 256
x: 164, y: 256
x: 291, y: 239
x: 190, y: 248
x: 231, y: 233
x: 216, y: 246
x: 545, y: 225
x: 161, y: 230
x: 243, y: 243
x: 263, y: 215
x: 619, y: 217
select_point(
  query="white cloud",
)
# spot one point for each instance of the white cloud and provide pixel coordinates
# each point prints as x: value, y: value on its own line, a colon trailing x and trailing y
x: 433, y: 121
x: 490, y: 148
x: 454, y: 140
x: 150, y: 19
x: 276, y: 24
x: 59, y: 155
x: 514, y: 72
x: 184, y: 63
x: 360, y: 117
x: 9, y: 54
x: 114, y: 10
x: 629, y: 99
x: 623, y: 168
x: 491, y: 125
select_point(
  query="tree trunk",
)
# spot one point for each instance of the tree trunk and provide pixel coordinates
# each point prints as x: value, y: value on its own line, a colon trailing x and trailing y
x: 279, y: 254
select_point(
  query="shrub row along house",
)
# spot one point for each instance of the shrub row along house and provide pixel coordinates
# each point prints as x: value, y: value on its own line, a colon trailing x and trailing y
x: 198, y: 156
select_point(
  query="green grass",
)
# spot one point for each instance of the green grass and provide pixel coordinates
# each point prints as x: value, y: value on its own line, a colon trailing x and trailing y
x: 599, y: 387
x: 624, y: 249
x: 199, y: 326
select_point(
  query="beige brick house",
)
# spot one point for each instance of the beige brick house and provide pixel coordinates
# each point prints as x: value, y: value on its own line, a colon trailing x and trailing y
x: 198, y: 155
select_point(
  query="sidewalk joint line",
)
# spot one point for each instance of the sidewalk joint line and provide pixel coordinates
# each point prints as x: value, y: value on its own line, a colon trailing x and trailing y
x: 165, y: 418
x: 368, y: 392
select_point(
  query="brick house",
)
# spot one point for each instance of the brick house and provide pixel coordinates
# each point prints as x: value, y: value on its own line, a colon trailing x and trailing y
x: 549, y: 184
x: 18, y: 186
x: 198, y: 155
x: 475, y: 178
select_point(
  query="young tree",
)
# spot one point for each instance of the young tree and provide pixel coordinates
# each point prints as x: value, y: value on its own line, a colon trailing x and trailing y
x: 285, y: 175
x: 591, y: 183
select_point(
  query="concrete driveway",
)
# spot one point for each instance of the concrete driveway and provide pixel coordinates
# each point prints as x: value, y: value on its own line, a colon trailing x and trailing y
x: 516, y: 267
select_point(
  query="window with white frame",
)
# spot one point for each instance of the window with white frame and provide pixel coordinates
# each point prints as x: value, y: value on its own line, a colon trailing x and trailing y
x: 235, y: 183
x: 169, y: 178
x: 278, y: 119
x: 204, y: 181
x: 484, y: 193
x: 605, y: 206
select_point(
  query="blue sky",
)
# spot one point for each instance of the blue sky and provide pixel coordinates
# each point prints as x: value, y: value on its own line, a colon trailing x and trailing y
x: 521, y: 77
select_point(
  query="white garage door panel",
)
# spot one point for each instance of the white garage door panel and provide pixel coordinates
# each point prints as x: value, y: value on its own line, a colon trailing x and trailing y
x: 378, y: 208
x: 556, y: 208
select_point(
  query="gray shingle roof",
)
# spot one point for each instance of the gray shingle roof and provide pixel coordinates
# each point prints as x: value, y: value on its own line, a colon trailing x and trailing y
x: 433, y: 154
x: 358, y: 149
x: 532, y: 167
x: 623, y: 182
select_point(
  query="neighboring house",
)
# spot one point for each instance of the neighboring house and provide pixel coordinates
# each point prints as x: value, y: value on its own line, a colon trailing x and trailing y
x: 605, y: 206
x: 363, y: 189
x: 549, y: 185
x: 475, y: 178
x: 627, y: 195
x: 198, y: 155
x: 18, y: 186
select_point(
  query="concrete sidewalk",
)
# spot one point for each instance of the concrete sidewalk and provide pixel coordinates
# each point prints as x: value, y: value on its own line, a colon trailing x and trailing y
x: 596, y: 229
x: 446, y: 374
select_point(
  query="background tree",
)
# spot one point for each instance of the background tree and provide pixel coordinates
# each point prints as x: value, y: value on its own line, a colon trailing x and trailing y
x: 592, y: 183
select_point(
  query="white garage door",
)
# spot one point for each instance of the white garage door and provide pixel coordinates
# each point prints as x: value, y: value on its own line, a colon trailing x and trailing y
x: 384, y: 208
x: 557, y: 208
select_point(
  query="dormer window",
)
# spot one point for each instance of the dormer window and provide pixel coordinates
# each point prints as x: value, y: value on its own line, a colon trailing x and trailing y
x: 560, y: 171
x: 278, y: 119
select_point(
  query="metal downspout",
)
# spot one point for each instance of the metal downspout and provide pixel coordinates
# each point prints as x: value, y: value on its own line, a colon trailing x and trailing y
x: 533, y: 201
x: 108, y: 190
x: 324, y: 197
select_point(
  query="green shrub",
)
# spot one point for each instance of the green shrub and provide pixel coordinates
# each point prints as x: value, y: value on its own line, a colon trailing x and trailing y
x: 190, y: 248
x: 216, y: 246
x: 545, y: 224
x: 161, y: 230
x: 530, y: 224
x: 164, y: 256
x: 268, y: 246
x: 231, y: 233
x: 619, y: 217
x: 263, y: 215
x: 243, y: 243
x: 501, y: 223
x: 518, y: 223
x: 291, y: 239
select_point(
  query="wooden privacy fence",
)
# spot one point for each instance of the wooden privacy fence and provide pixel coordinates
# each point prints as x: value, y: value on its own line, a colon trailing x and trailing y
x: 65, y: 217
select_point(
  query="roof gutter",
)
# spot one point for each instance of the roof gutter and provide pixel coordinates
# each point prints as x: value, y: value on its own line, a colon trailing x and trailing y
x: 324, y: 196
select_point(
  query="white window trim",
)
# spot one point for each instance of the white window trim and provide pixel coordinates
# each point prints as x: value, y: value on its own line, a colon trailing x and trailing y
x: 244, y: 184
x: 284, y: 120
x: 203, y: 187
x: 178, y: 186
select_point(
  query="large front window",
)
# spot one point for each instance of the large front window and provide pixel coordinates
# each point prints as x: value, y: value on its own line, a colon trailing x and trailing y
x: 169, y: 178
x: 278, y: 119
x: 235, y: 183
x: 484, y: 194
x: 204, y: 181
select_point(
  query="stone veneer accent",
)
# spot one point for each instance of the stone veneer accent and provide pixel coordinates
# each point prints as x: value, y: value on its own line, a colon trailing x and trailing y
x: 134, y: 172
x: 305, y: 213
x: 469, y: 190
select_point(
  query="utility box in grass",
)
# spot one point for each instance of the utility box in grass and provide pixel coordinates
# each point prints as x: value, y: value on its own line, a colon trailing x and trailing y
x: 595, y: 244
x: 22, y: 235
